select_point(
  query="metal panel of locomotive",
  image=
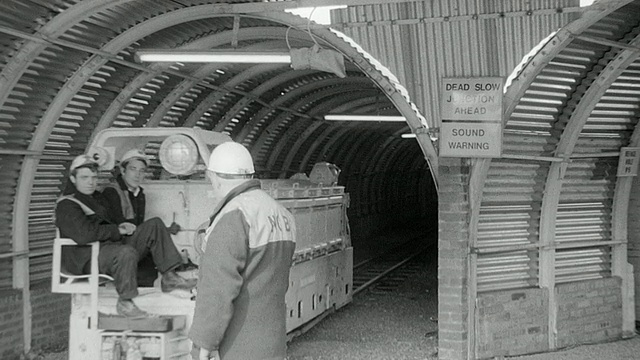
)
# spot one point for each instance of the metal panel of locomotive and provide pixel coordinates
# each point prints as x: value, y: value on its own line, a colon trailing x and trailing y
x: 177, y: 190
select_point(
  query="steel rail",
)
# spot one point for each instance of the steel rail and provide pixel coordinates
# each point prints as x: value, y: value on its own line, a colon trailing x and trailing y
x: 384, y: 265
x: 385, y: 273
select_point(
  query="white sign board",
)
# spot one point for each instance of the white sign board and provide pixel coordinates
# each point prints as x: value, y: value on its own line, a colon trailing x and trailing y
x: 628, y: 163
x: 471, y: 110
x: 476, y: 99
x: 470, y: 139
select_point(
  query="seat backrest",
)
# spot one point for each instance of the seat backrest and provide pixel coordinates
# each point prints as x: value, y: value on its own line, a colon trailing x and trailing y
x: 64, y: 282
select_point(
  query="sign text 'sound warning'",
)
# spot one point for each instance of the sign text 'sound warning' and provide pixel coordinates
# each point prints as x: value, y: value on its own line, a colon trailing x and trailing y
x: 470, y: 139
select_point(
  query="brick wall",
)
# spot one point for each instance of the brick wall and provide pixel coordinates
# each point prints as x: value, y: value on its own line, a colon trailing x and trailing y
x: 453, y: 234
x: 11, y: 339
x: 512, y: 323
x: 589, y: 311
x: 50, y: 320
x: 50, y: 317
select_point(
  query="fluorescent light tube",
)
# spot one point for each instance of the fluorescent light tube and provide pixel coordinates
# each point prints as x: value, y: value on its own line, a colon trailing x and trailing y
x: 365, y: 118
x: 200, y: 56
x: 408, y: 136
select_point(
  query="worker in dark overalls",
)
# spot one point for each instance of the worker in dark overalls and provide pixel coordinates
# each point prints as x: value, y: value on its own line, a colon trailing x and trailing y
x: 81, y: 215
x: 126, y: 202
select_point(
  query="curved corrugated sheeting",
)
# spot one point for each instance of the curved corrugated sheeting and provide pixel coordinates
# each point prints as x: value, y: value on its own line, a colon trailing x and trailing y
x: 573, y: 105
x: 466, y: 38
x: 69, y: 71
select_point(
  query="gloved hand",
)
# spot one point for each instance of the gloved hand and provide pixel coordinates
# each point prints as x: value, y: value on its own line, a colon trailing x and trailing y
x: 174, y: 228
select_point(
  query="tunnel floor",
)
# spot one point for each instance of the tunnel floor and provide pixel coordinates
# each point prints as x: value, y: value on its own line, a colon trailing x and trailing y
x: 379, y: 323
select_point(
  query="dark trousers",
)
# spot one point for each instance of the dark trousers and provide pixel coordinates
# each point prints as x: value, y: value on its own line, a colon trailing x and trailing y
x: 120, y: 260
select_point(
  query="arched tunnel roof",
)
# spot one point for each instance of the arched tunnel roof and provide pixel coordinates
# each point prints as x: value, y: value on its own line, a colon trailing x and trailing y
x: 69, y: 70
x: 550, y: 209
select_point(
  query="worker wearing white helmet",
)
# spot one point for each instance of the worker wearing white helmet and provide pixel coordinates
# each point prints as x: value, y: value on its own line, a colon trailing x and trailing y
x: 246, y: 256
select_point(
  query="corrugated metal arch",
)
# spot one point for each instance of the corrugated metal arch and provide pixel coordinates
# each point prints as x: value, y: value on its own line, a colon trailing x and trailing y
x: 81, y: 58
x: 570, y: 107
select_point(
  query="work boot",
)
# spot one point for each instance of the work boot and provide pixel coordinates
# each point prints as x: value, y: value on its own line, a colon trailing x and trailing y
x: 172, y: 281
x: 127, y: 308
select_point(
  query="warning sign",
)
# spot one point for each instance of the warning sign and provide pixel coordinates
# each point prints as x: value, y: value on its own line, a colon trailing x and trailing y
x: 628, y: 162
x: 477, y: 99
x: 471, y: 117
x: 470, y: 139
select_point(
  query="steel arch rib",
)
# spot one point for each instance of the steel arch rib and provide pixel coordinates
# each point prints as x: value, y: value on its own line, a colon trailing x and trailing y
x: 381, y: 150
x: 62, y: 22
x: 513, y: 95
x: 293, y: 94
x: 398, y: 98
x: 9, y: 77
x: 352, y: 160
x: 216, y: 96
x: 275, y: 153
x: 197, y: 76
x: 622, y: 192
x: 336, y: 153
x: 311, y: 128
x: 564, y: 149
x: 71, y: 87
x: 255, y: 118
x: 334, y: 138
x: 307, y: 156
x: 361, y: 101
x: 620, y: 213
x: 517, y: 89
x: 258, y: 91
x: 623, y: 184
x: 369, y: 167
x: 157, y: 69
x: 177, y: 93
x: 139, y: 31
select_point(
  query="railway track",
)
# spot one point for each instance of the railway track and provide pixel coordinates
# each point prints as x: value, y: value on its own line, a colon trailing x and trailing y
x: 387, y: 272
x: 384, y: 273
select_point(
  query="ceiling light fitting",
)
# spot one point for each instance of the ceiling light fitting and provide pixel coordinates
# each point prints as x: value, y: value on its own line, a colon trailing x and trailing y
x: 300, y: 59
x: 386, y: 118
x: 212, y: 56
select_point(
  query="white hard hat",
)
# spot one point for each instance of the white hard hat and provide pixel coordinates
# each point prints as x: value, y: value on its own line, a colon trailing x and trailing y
x: 231, y: 158
x: 82, y: 161
x: 134, y: 154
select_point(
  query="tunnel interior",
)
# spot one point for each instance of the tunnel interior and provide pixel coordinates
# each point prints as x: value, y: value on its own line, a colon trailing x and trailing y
x: 80, y: 75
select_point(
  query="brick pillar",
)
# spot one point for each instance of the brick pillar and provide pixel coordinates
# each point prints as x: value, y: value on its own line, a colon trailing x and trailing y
x: 453, y: 234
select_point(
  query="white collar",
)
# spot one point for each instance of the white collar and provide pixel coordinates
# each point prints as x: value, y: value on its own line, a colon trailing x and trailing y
x: 135, y: 191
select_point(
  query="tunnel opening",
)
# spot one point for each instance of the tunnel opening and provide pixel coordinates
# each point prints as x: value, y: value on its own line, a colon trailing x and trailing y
x: 392, y: 205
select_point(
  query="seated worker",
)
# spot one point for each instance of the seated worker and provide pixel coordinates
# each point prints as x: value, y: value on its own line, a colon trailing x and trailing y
x: 81, y: 215
x: 126, y: 201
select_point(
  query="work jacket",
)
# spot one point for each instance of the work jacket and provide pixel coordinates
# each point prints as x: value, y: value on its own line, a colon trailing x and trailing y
x: 84, y: 219
x: 244, y: 274
x: 122, y: 204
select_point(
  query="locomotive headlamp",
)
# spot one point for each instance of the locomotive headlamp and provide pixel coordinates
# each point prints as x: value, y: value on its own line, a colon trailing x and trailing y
x: 178, y: 154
